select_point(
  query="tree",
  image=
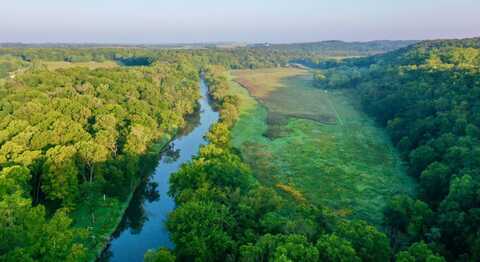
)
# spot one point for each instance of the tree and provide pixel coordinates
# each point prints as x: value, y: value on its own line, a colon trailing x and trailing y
x: 368, y: 242
x: 407, y: 219
x: 137, y: 139
x: 14, y: 180
x: 434, y: 182
x: 280, y: 248
x: 420, y: 158
x: 106, y: 132
x: 418, y: 252
x: 219, y: 134
x: 160, y: 255
x: 91, y: 154
x: 200, y: 230
x: 27, y: 235
x: 60, y: 174
x: 332, y: 248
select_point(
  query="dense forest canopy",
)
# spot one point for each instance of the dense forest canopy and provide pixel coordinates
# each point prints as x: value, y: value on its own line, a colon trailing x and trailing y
x: 426, y: 95
x: 71, y: 136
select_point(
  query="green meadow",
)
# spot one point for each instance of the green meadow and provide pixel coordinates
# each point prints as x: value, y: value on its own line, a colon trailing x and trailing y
x: 315, y: 145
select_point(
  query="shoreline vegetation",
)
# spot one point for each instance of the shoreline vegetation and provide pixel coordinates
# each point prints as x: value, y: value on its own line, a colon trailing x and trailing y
x: 83, y: 137
x: 106, y: 237
x: 238, y: 218
x: 155, y: 152
x: 76, y: 132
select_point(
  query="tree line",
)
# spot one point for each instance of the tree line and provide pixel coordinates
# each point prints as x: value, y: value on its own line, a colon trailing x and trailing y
x: 426, y: 96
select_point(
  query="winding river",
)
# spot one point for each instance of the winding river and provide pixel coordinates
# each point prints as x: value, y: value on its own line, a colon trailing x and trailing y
x: 143, y: 225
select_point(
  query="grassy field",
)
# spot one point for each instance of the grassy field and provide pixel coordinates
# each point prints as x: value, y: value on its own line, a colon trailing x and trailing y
x: 53, y: 65
x: 315, y: 145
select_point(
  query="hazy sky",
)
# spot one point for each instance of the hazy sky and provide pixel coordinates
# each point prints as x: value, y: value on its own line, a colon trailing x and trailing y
x: 175, y: 21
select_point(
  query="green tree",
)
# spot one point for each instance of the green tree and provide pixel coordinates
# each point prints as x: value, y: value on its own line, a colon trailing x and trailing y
x: 160, y: 255
x: 27, y: 235
x: 60, y: 174
x: 14, y: 180
x: 280, y: 248
x: 200, y: 231
x: 434, y: 182
x: 368, y: 242
x: 418, y: 252
x: 332, y: 248
x: 407, y: 219
x: 91, y: 154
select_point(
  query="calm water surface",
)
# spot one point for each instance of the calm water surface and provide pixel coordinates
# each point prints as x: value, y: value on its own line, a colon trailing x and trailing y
x: 143, y: 225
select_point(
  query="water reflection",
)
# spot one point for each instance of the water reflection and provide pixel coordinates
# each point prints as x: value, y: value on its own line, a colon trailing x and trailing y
x: 143, y: 225
x: 172, y: 154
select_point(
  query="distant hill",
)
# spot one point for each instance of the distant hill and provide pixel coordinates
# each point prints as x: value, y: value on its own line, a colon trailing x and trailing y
x: 419, y: 53
x: 340, y: 48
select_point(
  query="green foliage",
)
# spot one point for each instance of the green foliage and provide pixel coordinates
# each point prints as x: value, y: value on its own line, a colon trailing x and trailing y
x: 224, y: 214
x: 418, y: 252
x: 337, y: 157
x: 71, y: 136
x: 14, y: 180
x: 279, y: 248
x: 28, y: 235
x: 407, y: 219
x: 426, y: 96
x: 368, y: 242
x: 9, y: 64
x: 200, y: 230
x: 161, y: 255
x: 333, y: 248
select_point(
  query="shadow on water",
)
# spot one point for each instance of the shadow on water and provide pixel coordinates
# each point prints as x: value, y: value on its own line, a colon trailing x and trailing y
x: 143, y: 224
x: 135, y: 61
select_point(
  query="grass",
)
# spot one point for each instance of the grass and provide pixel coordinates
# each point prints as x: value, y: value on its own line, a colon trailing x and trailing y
x: 54, y: 65
x: 318, y: 143
x: 108, y: 215
x: 108, y: 212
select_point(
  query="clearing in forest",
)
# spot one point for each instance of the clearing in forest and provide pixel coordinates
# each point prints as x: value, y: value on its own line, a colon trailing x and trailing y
x: 315, y: 145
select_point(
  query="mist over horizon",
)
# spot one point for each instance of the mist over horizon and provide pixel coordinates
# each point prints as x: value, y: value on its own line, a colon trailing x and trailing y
x: 253, y: 130
x: 214, y: 21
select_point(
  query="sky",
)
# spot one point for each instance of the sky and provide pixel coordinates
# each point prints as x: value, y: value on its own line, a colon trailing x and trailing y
x: 253, y: 21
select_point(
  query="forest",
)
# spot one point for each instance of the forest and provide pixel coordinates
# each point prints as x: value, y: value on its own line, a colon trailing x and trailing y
x: 69, y: 137
x: 426, y: 96
x: 78, y: 136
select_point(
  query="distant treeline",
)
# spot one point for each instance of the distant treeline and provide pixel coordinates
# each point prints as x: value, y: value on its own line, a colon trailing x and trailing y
x: 340, y: 48
x: 241, y: 57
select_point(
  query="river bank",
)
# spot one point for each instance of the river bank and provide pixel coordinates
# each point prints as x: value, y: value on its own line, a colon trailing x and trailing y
x: 110, y: 211
x: 142, y: 225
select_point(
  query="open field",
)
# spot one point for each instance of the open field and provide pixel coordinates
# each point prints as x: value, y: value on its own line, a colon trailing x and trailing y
x: 53, y: 65
x: 271, y: 88
x: 315, y: 143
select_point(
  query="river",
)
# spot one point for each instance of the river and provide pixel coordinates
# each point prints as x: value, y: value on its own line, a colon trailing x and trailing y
x: 143, y: 225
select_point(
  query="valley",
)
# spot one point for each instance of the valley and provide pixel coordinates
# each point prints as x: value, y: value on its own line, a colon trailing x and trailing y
x: 315, y: 143
x: 326, y: 151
